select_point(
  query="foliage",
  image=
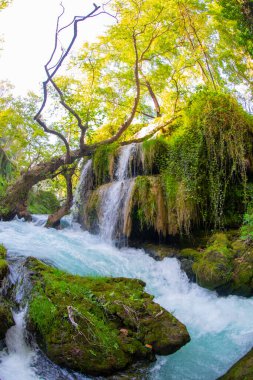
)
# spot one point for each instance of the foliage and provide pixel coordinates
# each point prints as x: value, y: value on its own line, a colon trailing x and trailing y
x: 207, y: 156
x: 20, y: 135
x: 103, y: 163
x: 42, y: 202
x: 247, y: 228
x: 4, y: 4
x: 241, y: 12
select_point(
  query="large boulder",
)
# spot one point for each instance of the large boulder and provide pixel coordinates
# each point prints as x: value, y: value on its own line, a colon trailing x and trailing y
x: 214, y: 267
x: 242, y: 370
x: 98, y: 325
x: 225, y: 265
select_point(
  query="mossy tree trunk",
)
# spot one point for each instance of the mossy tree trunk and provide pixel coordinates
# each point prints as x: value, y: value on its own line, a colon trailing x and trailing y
x: 15, y: 200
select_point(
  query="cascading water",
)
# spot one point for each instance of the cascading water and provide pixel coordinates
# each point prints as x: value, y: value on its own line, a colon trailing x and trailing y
x: 221, y: 328
x: 17, y: 359
x: 110, y: 201
x: 116, y: 196
x: 82, y: 190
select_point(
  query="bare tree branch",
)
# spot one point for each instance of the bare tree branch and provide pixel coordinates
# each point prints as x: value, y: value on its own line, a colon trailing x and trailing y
x: 50, y: 76
x: 129, y: 120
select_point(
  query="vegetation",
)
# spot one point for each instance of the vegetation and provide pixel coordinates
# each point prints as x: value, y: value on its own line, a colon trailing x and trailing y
x: 119, y: 94
x: 42, y: 202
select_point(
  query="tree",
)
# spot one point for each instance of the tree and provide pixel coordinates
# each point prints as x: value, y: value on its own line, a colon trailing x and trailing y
x: 139, y: 75
x: 4, y: 4
x: 241, y: 12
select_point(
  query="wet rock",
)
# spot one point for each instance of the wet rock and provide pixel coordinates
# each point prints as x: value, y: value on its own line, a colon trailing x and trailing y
x: 98, y: 325
x: 6, y: 319
x: 242, y: 370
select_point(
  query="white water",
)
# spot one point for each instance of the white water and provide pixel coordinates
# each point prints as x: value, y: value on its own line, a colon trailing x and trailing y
x: 123, y: 168
x: 114, y: 206
x: 115, y: 198
x: 221, y: 328
x: 16, y: 361
x: 82, y: 189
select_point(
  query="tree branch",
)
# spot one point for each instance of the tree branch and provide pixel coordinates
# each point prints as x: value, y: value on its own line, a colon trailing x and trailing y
x: 129, y: 120
x: 50, y: 76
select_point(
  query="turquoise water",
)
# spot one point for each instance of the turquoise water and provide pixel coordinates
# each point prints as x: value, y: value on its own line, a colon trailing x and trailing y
x: 221, y: 328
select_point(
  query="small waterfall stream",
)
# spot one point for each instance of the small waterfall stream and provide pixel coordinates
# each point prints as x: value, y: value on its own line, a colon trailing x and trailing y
x: 17, y: 360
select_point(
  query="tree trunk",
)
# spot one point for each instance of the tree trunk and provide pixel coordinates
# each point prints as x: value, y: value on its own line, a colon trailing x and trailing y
x: 54, y: 220
x: 15, y: 200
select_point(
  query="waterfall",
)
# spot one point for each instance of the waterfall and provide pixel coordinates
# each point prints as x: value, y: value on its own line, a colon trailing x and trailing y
x: 17, y: 360
x: 21, y: 359
x: 82, y: 191
x: 113, y: 200
x: 116, y: 197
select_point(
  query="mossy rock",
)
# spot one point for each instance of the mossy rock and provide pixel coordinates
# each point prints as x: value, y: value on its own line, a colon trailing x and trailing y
x: 3, y: 252
x: 6, y: 319
x: 242, y: 370
x: 189, y: 253
x: 215, y: 267
x: 243, y: 269
x: 95, y: 325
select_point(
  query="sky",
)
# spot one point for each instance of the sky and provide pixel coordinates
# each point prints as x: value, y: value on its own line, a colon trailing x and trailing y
x: 28, y: 27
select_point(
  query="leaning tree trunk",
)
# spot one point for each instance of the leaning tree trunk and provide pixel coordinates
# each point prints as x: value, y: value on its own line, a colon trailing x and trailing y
x: 14, y: 202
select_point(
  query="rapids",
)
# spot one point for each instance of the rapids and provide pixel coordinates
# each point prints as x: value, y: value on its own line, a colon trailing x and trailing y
x: 221, y: 328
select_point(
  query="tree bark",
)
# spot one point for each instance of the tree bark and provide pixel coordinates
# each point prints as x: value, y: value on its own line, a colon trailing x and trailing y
x: 54, y: 220
x: 15, y: 200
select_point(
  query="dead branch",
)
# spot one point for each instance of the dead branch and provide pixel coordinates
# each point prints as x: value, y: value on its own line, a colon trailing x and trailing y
x: 130, y: 118
x: 54, y: 70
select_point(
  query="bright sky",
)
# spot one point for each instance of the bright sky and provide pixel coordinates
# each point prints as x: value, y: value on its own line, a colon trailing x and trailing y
x: 28, y: 28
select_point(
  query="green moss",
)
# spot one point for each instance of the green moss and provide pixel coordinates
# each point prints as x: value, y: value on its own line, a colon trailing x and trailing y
x: 204, y: 172
x: 155, y: 155
x: 103, y: 161
x: 3, y: 252
x: 214, y: 269
x: 242, y: 370
x: 97, y: 325
x: 148, y: 206
x: 189, y: 253
x: 42, y: 202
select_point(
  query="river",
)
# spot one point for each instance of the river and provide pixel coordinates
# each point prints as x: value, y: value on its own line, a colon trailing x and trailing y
x: 221, y: 328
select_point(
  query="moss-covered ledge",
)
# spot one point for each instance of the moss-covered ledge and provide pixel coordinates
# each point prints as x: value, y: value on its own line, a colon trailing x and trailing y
x: 242, y: 370
x: 225, y: 265
x: 98, y: 326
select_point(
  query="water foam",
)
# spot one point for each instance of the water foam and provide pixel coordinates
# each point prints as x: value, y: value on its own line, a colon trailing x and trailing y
x: 221, y: 328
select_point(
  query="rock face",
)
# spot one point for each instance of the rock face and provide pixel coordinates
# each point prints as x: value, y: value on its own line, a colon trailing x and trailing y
x: 98, y: 326
x: 242, y: 370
